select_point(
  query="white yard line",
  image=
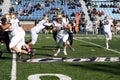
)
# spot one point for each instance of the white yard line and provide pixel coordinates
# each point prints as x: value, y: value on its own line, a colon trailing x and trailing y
x: 13, y: 70
x: 97, y: 45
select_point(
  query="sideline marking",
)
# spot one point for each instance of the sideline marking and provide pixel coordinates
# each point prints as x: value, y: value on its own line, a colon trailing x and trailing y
x: 97, y: 45
x: 13, y: 70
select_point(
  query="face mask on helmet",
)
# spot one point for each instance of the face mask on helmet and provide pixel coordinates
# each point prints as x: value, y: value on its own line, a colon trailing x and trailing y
x: 45, y: 18
x: 13, y: 16
x: 59, y: 16
x: 7, y: 17
x: 106, y: 17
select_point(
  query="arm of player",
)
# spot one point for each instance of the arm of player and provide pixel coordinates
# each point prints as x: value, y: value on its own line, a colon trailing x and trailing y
x: 47, y: 24
x: 4, y: 26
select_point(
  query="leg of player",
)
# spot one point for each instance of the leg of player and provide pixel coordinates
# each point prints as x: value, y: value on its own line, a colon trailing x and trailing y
x: 71, y: 38
x: 68, y: 44
x: 17, y: 52
x: 64, y: 50
x: 107, y: 45
x: 57, y: 51
x: 29, y: 51
x: 58, y: 42
x: 29, y: 43
x: 34, y: 37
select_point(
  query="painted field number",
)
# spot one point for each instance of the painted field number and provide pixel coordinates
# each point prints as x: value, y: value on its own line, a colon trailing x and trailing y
x: 37, y: 76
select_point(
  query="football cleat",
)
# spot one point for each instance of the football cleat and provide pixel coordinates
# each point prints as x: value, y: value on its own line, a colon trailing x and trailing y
x: 19, y: 55
x: 57, y: 52
x: 65, y: 53
x: 30, y: 53
x: 72, y: 49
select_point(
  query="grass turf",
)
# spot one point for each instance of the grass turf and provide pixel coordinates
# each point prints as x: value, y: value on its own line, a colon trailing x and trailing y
x: 45, y: 47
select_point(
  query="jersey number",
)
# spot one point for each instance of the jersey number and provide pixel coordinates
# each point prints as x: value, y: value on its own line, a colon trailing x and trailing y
x: 106, y: 22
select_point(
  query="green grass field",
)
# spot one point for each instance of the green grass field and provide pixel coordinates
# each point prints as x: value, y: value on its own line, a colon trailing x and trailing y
x: 84, y: 45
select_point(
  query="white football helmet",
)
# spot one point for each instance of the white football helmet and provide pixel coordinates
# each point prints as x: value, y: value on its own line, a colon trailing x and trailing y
x: 59, y: 16
x: 13, y: 16
x: 7, y: 16
x: 45, y: 18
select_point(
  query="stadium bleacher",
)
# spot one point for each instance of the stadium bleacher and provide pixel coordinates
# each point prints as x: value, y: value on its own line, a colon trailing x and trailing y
x: 35, y: 9
x: 32, y: 9
x: 108, y: 10
x: 107, y: 6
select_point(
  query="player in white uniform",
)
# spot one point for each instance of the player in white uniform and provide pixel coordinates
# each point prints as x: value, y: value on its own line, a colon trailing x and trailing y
x: 62, y: 35
x: 35, y: 30
x: 17, y: 34
x: 107, y: 24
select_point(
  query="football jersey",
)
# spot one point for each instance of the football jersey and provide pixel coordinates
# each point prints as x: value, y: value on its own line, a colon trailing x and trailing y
x: 59, y: 27
x: 14, y: 28
x: 107, y: 25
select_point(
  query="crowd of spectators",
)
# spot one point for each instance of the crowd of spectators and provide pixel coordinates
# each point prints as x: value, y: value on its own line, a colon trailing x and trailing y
x: 47, y: 6
x: 116, y: 11
x: 109, y: 5
x: 115, y: 6
x: 92, y: 7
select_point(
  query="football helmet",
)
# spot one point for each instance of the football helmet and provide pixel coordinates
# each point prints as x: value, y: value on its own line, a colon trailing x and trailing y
x: 106, y: 17
x: 45, y: 17
x: 13, y: 16
x: 7, y: 16
x: 59, y: 16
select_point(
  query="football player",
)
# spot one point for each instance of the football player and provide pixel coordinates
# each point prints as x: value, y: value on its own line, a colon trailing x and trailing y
x: 16, y: 32
x: 36, y: 29
x: 62, y: 35
x: 107, y: 24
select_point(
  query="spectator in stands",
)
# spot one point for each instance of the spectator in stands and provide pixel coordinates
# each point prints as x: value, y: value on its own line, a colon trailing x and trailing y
x: 47, y: 3
x: 82, y: 16
x: 118, y: 11
x: 73, y: 14
x: 114, y: 11
x: 38, y: 6
x: 63, y: 2
x: 19, y: 2
x: 11, y: 9
x: 42, y: 6
x: 89, y: 4
x: 19, y: 11
x: 79, y: 4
